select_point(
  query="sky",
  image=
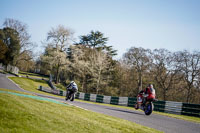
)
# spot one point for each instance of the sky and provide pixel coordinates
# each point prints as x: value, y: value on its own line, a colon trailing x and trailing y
x: 152, y: 24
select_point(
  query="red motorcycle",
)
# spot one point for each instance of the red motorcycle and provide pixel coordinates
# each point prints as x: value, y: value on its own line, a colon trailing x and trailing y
x: 145, y: 102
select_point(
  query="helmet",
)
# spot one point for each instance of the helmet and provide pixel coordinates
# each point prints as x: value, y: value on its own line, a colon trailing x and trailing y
x: 72, y: 82
x: 150, y: 85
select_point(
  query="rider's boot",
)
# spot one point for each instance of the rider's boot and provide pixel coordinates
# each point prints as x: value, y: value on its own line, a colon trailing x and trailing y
x: 136, y: 106
x: 66, y: 98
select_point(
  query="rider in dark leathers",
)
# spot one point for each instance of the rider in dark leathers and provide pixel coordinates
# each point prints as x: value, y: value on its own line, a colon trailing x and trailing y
x: 72, y: 88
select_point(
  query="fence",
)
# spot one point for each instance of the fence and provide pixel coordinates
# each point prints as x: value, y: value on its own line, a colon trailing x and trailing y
x: 161, y: 106
x: 9, y: 68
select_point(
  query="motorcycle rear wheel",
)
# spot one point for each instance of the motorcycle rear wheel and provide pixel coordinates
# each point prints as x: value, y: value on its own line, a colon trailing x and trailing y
x: 148, y: 108
x: 72, y: 97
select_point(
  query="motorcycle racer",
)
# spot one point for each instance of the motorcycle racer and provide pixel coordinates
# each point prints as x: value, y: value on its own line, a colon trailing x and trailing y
x: 72, y: 88
x: 144, y: 95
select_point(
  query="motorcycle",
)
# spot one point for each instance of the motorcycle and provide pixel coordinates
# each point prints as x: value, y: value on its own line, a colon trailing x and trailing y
x: 70, y: 95
x: 146, y: 105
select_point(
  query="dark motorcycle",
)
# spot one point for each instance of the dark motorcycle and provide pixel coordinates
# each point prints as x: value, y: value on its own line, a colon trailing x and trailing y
x: 70, y: 94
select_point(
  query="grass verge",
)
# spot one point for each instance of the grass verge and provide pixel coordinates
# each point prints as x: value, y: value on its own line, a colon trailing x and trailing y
x: 21, y: 114
x: 32, y: 85
x: 29, y: 84
x: 33, y: 75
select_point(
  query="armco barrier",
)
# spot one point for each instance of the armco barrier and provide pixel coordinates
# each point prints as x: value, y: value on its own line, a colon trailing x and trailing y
x: 106, y: 99
x: 114, y: 100
x: 132, y: 101
x: 93, y: 97
x: 99, y: 98
x: 123, y: 101
x: 191, y: 109
x: 161, y: 106
x: 77, y: 95
x: 61, y: 93
x: 81, y: 96
x: 87, y: 97
x: 173, y: 107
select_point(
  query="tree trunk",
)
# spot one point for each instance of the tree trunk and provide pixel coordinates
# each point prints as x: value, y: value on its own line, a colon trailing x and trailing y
x: 139, y: 81
x: 164, y: 94
x: 98, y: 81
x: 83, y: 83
x: 188, y: 95
x: 57, y: 74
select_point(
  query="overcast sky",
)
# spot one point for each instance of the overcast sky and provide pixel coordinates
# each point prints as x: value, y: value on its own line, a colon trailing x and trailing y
x: 170, y: 24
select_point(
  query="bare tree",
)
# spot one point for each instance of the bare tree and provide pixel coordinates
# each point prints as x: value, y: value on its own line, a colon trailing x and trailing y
x: 189, y: 63
x: 126, y: 77
x: 59, y: 39
x: 164, y: 70
x: 139, y: 59
x: 100, y: 63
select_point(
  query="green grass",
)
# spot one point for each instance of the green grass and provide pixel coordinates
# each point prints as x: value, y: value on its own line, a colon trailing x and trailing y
x: 3, y: 72
x: 29, y: 84
x: 32, y: 85
x: 33, y: 75
x: 21, y: 114
x: 60, y: 86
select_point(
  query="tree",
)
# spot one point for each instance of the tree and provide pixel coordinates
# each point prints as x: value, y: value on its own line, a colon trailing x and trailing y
x: 124, y: 78
x: 55, y: 55
x: 110, y: 51
x: 56, y: 60
x: 94, y: 40
x: 189, y: 64
x: 26, y: 46
x: 79, y: 67
x: 99, y: 57
x: 25, y: 62
x: 10, y: 42
x: 139, y: 59
x: 90, y: 66
x: 3, y: 51
x: 164, y: 70
x: 100, y: 64
x: 60, y: 37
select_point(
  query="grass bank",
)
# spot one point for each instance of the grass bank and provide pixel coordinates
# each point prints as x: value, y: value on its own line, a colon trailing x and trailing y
x: 21, y: 114
x: 29, y: 84
x: 33, y: 75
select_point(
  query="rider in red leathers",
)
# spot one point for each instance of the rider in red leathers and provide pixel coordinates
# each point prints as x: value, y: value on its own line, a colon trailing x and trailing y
x: 144, y: 95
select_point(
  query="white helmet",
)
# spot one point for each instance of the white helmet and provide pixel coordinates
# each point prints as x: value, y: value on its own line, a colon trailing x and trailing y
x: 150, y: 85
x: 72, y: 82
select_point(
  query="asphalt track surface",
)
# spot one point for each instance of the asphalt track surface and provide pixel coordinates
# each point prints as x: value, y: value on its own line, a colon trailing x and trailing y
x: 159, y: 122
